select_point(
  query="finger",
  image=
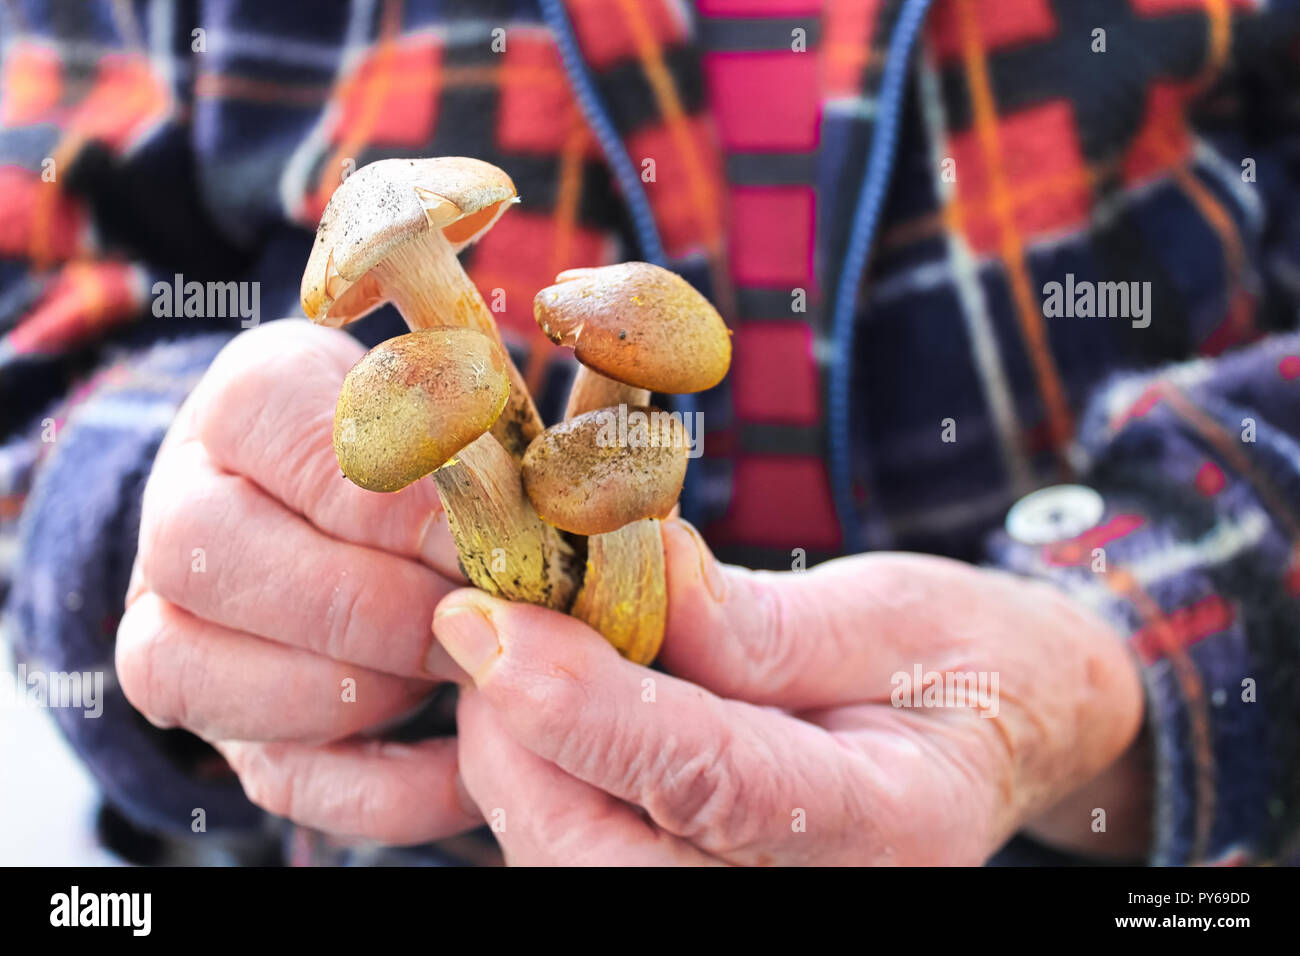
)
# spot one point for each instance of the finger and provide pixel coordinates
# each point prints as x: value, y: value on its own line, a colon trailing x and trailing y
x: 396, y: 794
x: 219, y: 547
x: 540, y: 815
x: 724, y: 774
x: 179, y: 670
x: 135, y: 584
x: 832, y: 635
x: 266, y: 411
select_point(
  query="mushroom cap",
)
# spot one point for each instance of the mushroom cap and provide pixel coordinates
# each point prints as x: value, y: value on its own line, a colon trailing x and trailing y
x: 639, y: 324
x: 385, y: 204
x: 414, y: 401
x: 590, y: 475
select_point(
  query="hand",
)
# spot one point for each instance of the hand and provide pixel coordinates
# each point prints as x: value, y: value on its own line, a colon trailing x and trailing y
x: 265, y: 583
x: 776, y: 740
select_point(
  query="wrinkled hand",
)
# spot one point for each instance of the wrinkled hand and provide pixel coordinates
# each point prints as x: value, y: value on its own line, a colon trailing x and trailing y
x: 265, y: 583
x: 776, y: 740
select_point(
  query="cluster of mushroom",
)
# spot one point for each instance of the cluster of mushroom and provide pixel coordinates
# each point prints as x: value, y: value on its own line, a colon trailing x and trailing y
x: 565, y: 517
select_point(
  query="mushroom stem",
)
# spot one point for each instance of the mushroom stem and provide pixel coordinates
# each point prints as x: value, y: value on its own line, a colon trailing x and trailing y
x: 591, y: 391
x: 505, y: 549
x: 624, y: 593
x: 427, y: 283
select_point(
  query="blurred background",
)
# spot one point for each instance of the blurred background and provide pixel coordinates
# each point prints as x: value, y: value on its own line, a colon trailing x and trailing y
x: 51, y: 819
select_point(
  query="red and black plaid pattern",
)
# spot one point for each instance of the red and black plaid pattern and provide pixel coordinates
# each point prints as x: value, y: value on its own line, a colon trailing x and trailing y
x: 451, y: 90
x: 1036, y: 155
x: 776, y: 55
x: 1064, y: 159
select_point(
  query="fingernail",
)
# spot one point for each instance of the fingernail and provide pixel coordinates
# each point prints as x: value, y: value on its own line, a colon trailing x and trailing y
x: 437, y: 549
x: 469, y: 638
x: 465, y: 800
x: 440, y: 666
x: 709, y: 570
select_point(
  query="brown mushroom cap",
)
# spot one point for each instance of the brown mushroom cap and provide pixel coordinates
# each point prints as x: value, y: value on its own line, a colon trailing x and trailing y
x: 638, y: 324
x: 413, y: 402
x: 385, y: 204
x: 584, y: 477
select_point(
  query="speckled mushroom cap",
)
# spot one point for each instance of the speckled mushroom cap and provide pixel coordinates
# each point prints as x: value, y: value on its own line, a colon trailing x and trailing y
x: 414, y: 401
x: 638, y: 324
x: 385, y: 204
x: 592, y: 475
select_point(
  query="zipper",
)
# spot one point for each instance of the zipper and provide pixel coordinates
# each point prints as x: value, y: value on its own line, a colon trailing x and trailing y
x: 602, y: 126
x: 649, y: 243
x: 862, y: 233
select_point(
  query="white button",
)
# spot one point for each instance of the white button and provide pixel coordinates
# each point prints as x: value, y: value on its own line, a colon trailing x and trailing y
x: 1053, y: 514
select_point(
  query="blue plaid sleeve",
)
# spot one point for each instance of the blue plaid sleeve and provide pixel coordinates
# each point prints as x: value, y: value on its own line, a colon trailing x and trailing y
x: 73, y: 549
x: 1196, y: 559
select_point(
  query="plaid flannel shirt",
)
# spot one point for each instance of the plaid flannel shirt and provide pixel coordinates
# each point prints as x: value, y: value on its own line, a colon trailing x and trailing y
x: 1151, y: 141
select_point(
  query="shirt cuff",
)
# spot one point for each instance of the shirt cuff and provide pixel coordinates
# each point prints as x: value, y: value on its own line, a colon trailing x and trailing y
x: 1184, y: 557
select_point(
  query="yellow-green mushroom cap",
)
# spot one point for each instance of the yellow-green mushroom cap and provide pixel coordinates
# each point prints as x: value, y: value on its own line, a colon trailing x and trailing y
x: 414, y: 401
x: 594, y: 473
x: 638, y: 324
